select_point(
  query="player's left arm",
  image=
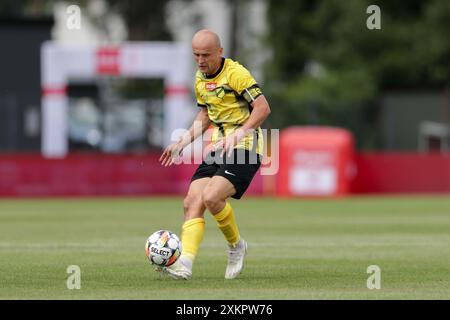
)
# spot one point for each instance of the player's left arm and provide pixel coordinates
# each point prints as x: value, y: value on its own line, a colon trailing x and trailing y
x: 260, y: 112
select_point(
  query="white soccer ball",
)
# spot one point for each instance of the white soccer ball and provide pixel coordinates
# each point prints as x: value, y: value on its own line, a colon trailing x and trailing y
x: 163, y: 248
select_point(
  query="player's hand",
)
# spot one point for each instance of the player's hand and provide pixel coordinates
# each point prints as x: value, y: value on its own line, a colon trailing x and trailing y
x: 169, y: 155
x: 231, y: 141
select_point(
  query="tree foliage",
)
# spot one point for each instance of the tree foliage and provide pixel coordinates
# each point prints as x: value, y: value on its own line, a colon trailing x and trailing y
x: 329, y: 68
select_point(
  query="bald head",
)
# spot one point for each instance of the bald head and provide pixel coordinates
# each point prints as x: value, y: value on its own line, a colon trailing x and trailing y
x: 206, y: 39
x: 207, y: 51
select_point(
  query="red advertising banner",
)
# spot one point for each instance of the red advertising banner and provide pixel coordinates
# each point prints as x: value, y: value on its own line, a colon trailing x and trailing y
x: 108, y: 61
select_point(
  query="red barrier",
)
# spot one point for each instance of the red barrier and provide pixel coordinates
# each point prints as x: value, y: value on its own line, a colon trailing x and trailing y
x: 100, y: 174
x: 401, y: 173
x: 86, y: 174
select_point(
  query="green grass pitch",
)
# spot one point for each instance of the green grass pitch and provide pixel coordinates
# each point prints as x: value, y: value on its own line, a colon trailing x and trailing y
x: 298, y: 249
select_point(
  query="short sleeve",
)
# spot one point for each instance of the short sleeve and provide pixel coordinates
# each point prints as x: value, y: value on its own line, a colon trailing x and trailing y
x: 241, y: 81
x: 200, y: 102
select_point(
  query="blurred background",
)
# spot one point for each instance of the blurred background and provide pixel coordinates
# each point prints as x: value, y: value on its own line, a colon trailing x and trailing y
x: 360, y: 110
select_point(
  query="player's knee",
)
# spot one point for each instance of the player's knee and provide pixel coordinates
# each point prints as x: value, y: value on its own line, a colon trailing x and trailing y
x: 193, y: 207
x: 210, y: 199
x: 189, y: 202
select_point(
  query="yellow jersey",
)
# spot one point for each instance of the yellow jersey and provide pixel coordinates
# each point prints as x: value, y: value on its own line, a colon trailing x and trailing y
x: 227, y: 95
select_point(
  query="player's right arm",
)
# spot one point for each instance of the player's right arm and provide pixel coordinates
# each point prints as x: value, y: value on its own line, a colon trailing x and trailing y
x: 200, y: 125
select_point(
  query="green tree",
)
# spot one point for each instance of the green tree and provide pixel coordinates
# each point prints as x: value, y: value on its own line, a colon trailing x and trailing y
x: 328, y: 68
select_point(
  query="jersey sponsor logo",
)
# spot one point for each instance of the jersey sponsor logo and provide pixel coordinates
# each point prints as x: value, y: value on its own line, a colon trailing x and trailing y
x: 210, y: 86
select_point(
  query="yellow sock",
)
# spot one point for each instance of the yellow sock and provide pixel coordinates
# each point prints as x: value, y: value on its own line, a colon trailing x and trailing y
x: 191, y: 237
x: 227, y: 224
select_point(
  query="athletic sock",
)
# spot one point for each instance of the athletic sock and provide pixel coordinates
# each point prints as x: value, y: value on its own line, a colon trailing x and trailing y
x: 191, y: 237
x: 227, y: 224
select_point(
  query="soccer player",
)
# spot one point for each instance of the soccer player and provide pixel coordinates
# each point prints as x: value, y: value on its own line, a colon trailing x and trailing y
x: 231, y: 101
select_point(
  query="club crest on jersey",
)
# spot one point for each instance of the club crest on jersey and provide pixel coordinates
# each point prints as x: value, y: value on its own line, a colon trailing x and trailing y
x: 210, y: 86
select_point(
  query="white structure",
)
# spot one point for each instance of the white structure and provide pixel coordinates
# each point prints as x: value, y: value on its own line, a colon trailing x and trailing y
x: 98, y: 49
x: 61, y: 63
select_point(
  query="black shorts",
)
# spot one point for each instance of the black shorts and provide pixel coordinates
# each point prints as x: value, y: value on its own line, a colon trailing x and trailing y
x: 239, y: 168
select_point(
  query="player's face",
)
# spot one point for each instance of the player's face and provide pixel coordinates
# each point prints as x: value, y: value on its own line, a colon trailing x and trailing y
x: 208, y: 60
